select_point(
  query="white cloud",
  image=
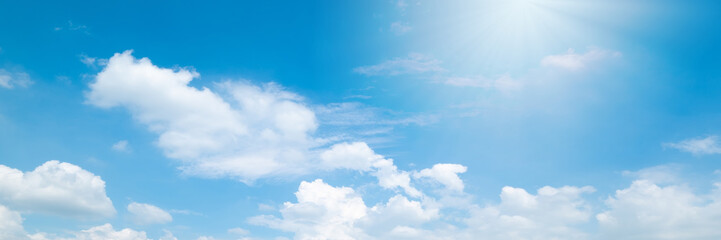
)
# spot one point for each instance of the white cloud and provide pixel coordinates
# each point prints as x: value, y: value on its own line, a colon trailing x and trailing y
x: 502, y: 83
x: 413, y: 64
x: 446, y: 174
x: 11, y: 224
x: 11, y: 80
x: 55, y: 188
x: 247, y: 132
x: 400, y: 28
x: 649, y: 209
x: 553, y: 213
x: 698, y: 146
x: 358, y: 156
x: 106, y: 232
x: 145, y: 214
x: 121, y: 146
x: 238, y: 231
x: 326, y: 212
x: 574, y: 61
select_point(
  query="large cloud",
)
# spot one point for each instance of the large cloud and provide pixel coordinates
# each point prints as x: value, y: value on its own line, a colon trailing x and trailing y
x: 11, y: 224
x: 244, y: 132
x: 55, y: 188
x: 661, y: 208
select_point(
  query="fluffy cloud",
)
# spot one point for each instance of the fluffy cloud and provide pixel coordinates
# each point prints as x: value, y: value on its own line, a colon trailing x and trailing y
x: 11, y: 224
x: 446, y: 174
x: 11, y: 80
x: 574, y: 61
x: 413, y: 64
x: 55, y: 188
x: 144, y: 214
x: 359, y: 156
x: 552, y: 213
x: 649, y: 209
x: 698, y: 146
x: 106, y: 232
x: 327, y: 212
x: 245, y: 131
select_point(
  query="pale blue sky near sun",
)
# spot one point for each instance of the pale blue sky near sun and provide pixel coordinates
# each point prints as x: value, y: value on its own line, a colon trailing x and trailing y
x: 465, y: 82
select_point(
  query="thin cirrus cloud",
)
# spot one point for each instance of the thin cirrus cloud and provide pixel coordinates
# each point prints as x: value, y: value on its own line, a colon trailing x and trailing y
x: 575, y: 61
x: 56, y: 188
x: 698, y: 146
x: 414, y: 63
x: 400, y: 28
x: 14, y: 79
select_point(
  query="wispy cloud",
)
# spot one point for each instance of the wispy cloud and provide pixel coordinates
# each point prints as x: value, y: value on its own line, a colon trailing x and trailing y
x: 698, y: 146
x: 414, y: 63
x: 14, y: 79
x: 503, y: 83
x: 400, y: 28
x: 70, y: 26
x: 575, y: 61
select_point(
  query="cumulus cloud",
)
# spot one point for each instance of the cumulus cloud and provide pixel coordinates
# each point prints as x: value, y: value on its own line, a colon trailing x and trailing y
x: 14, y: 79
x: 446, y: 174
x: 574, y: 61
x: 11, y: 224
x: 649, y: 209
x: 55, y: 188
x: 414, y: 63
x: 698, y: 146
x: 327, y: 212
x: 145, y: 214
x: 359, y: 156
x: 244, y: 131
x: 552, y: 213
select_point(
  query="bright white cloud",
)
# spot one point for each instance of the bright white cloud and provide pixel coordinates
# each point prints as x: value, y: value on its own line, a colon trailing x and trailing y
x: 121, y: 146
x: 106, y: 232
x: 55, y: 188
x: 326, y: 212
x: 698, y: 146
x: 446, y: 174
x: 11, y: 80
x: 145, y: 214
x: 649, y: 209
x: 574, y: 61
x: 247, y: 132
x: 359, y: 156
x: 413, y: 64
x: 11, y: 224
x: 553, y: 213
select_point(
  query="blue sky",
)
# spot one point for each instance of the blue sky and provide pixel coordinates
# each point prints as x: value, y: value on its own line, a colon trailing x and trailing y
x: 518, y: 119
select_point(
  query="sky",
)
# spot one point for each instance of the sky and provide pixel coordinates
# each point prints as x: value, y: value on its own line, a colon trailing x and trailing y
x: 388, y: 119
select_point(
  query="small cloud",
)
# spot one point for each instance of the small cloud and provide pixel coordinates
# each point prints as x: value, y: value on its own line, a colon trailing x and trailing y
x: 265, y: 207
x: 574, y: 61
x: 70, y: 26
x: 11, y: 80
x: 400, y: 28
x: 145, y: 214
x: 121, y: 146
x: 413, y: 64
x: 92, y: 61
x: 358, y: 96
x: 697, y: 146
x: 238, y: 231
x: 503, y: 83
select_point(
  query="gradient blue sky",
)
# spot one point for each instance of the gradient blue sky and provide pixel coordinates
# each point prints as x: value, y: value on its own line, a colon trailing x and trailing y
x: 622, y: 96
